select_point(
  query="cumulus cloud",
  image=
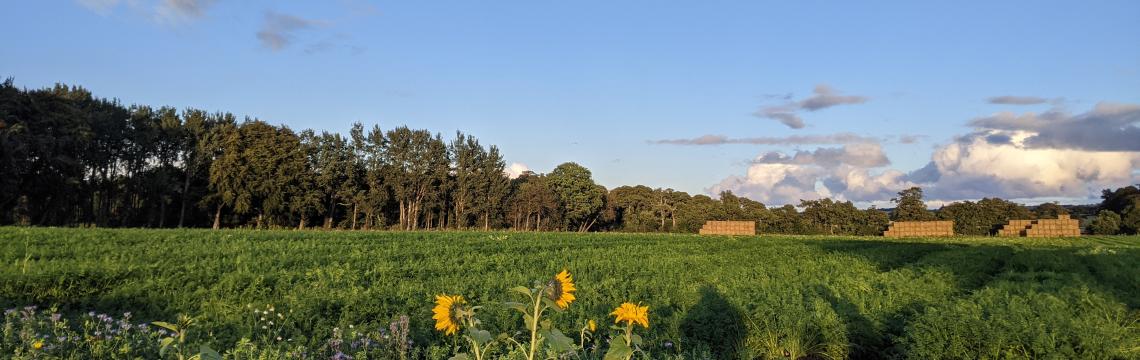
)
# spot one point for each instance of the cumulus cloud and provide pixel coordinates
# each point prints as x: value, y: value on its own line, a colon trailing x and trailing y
x: 860, y: 155
x: 1051, y: 155
x: 838, y: 138
x: 980, y: 167
x: 824, y: 97
x: 278, y: 31
x: 1107, y: 127
x: 516, y: 169
x: 846, y: 173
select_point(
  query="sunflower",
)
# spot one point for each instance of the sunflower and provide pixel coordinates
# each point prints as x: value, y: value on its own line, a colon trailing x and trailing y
x: 632, y: 314
x: 446, y: 313
x: 592, y: 325
x: 38, y: 344
x: 561, y: 289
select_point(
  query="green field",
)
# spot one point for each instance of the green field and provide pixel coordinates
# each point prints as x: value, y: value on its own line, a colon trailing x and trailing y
x: 716, y: 297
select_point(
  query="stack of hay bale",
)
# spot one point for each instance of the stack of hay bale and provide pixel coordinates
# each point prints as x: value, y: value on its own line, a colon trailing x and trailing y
x: 1061, y: 226
x: 728, y: 228
x: 920, y: 228
x: 1014, y: 228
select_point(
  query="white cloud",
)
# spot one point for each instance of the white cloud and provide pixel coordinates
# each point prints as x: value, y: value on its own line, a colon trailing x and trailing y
x: 979, y: 168
x: 516, y: 169
x: 844, y: 173
x: 1029, y: 156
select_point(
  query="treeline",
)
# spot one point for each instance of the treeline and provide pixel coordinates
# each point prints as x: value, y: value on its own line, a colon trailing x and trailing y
x: 68, y: 158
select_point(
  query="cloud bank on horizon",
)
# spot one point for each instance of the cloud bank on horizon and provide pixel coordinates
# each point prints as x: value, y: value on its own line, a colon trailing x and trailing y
x: 1050, y: 155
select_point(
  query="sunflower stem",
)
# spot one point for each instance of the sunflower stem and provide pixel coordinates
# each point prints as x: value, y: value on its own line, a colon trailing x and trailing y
x: 534, y: 324
x: 629, y: 338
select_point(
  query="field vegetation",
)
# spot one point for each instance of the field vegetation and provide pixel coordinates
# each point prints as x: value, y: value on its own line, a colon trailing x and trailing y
x: 336, y: 293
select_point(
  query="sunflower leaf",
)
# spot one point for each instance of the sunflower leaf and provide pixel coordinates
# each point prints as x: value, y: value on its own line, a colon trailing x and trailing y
x: 618, y: 351
x: 480, y: 336
x: 164, y: 344
x: 559, y: 342
x: 206, y: 353
x: 166, y: 325
x: 529, y: 320
x: 517, y: 306
x: 635, y: 339
x: 460, y: 356
x: 522, y: 290
x: 551, y: 304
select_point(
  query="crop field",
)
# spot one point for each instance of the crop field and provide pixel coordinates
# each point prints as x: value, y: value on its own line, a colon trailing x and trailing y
x: 708, y: 297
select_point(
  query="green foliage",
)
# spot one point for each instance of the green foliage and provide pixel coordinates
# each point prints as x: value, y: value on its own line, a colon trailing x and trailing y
x: 1130, y: 219
x: 1106, y: 223
x: 1008, y: 320
x: 581, y: 199
x: 983, y: 217
x: 909, y: 206
x: 1049, y: 211
x: 812, y: 296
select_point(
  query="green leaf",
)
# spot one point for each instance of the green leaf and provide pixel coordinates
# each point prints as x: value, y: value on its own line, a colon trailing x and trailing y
x: 460, y: 356
x: 164, y: 344
x: 559, y: 342
x: 618, y: 351
x: 546, y: 324
x: 522, y: 290
x: 166, y: 325
x: 636, y: 339
x: 481, y: 337
x: 551, y: 304
x: 517, y: 306
x: 529, y: 321
x: 206, y: 353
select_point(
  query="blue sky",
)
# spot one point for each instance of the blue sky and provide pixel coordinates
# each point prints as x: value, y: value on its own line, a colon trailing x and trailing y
x: 599, y: 82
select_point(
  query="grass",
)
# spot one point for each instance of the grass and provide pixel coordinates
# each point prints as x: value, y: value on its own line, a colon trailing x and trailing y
x: 729, y: 297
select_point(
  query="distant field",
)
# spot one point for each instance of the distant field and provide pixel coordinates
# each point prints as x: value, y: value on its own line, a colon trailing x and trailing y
x: 726, y: 297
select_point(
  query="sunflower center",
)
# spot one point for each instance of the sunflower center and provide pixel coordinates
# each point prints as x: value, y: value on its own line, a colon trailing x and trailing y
x: 554, y: 289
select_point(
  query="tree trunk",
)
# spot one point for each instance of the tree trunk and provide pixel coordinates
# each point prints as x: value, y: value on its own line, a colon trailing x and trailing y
x: 354, y: 211
x: 182, y: 211
x: 162, y: 214
x: 487, y: 221
x: 259, y: 216
x: 402, y: 216
x: 301, y: 226
x: 218, y: 217
x: 330, y: 215
x: 538, y: 222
